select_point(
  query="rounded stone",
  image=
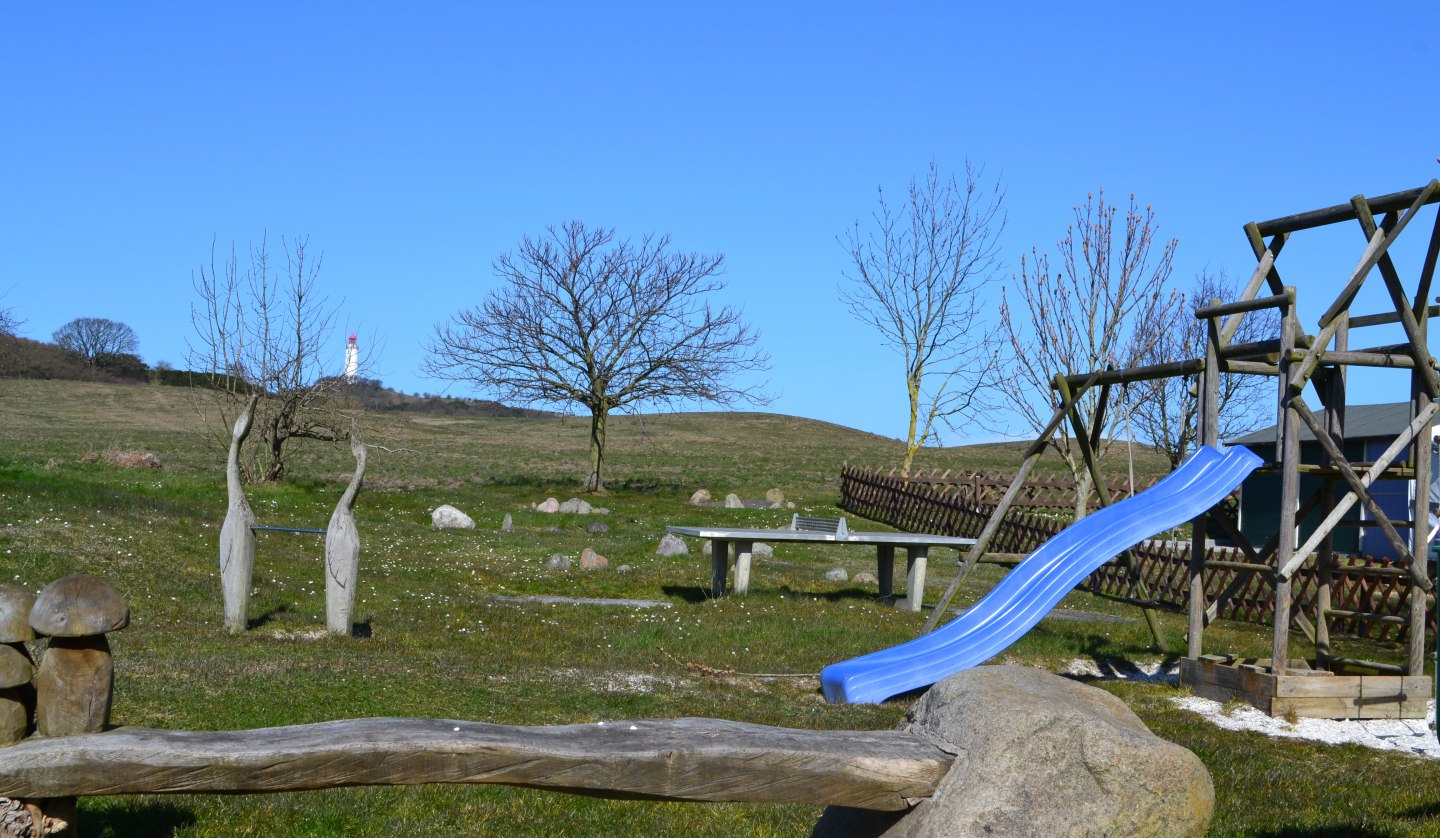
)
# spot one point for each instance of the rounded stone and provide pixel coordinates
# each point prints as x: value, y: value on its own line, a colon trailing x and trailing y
x: 79, y: 606
x: 16, y: 668
x: 15, y: 605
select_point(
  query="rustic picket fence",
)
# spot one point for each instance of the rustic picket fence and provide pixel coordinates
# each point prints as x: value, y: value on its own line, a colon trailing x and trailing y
x: 960, y: 504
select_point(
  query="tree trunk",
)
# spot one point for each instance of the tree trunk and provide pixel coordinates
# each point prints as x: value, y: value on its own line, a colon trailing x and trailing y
x: 1082, y: 492
x: 595, y: 483
x: 913, y: 386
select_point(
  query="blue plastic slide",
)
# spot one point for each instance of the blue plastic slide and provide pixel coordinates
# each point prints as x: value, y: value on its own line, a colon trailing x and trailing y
x: 1036, y: 585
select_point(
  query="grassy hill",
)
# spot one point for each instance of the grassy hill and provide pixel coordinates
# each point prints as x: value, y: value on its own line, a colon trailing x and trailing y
x: 448, y: 634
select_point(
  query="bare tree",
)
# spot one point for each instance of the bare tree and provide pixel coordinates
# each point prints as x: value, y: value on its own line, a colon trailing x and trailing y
x: 586, y: 319
x: 9, y: 322
x: 93, y: 337
x: 918, y: 276
x: 259, y: 330
x: 1167, y: 411
x: 1107, y: 305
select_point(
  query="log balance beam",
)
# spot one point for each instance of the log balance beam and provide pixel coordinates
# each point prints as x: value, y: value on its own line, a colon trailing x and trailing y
x: 688, y: 759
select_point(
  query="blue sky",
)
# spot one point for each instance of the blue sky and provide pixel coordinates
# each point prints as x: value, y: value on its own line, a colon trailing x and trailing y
x: 415, y: 144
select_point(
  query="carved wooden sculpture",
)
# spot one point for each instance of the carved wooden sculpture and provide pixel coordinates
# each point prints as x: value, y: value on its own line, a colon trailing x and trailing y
x: 342, y: 549
x: 237, y: 536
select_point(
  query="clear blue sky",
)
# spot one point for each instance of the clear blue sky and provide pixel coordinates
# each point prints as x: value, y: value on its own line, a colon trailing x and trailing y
x: 415, y: 143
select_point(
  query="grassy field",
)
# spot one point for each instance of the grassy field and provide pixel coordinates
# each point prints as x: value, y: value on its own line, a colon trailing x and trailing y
x: 443, y: 641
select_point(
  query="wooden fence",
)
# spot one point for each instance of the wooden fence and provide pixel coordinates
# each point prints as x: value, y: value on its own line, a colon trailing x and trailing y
x: 961, y: 504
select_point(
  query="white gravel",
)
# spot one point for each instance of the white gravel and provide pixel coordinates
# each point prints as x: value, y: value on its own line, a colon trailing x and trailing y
x: 1408, y: 735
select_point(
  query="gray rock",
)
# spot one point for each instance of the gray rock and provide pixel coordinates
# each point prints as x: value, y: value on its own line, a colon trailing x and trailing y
x: 700, y: 496
x: 837, y: 574
x: 789, y: 504
x: 557, y: 561
x: 1038, y: 754
x: 591, y: 560
x: 761, y: 550
x: 448, y: 517
x: 775, y: 497
x: 672, y: 545
x: 624, y: 568
x: 599, y: 510
x: 732, y: 501
x: 15, y: 605
x: 575, y: 506
x: 774, y: 506
x: 548, y: 505
x: 597, y: 527
x: 507, y: 525
x: 79, y: 606
x: 864, y: 578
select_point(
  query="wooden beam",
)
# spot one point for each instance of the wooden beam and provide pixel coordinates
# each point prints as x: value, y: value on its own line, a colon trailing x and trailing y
x: 710, y: 760
x: 1168, y: 369
x: 1241, y: 306
x: 1425, y: 377
x: 1343, y: 212
x: 1384, y: 318
x: 1380, y: 242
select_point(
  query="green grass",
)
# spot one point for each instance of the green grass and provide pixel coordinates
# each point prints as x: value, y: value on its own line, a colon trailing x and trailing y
x: 440, y: 644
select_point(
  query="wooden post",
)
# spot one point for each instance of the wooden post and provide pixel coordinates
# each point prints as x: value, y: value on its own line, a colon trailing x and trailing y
x: 342, y: 549
x: 1208, y: 392
x: 1287, y: 448
x: 237, y: 533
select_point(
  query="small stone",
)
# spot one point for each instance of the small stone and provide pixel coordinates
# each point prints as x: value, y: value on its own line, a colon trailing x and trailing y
x: 672, y: 545
x: 599, y: 510
x: 591, y: 560
x: 732, y: 501
x: 761, y: 550
x: 789, y: 504
x: 508, y: 525
x: 575, y: 506
x: 774, y: 496
x: 837, y: 575
x: 551, y: 528
x: 548, y: 505
x: 557, y: 561
x: 15, y: 605
x: 865, y: 578
x: 447, y: 517
x: 624, y: 568
x: 775, y: 505
x: 700, y: 496
x: 597, y: 527
x: 79, y: 606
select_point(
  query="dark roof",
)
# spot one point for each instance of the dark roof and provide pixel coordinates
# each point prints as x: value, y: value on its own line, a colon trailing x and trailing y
x: 1362, y: 421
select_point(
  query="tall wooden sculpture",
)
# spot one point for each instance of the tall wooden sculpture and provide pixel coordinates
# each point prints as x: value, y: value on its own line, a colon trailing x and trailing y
x: 237, y: 534
x: 342, y: 549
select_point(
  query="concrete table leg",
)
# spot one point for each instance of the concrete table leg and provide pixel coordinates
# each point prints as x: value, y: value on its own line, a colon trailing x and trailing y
x: 719, y: 566
x: 885, y: 568
x: 743, y: 550
x: 915, y: 560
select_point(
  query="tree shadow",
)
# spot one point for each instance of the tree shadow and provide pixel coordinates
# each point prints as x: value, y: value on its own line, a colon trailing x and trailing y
x: 137, y: 819
x: 1332, y: 831
x: 362, y: 631
x: 256, y: 622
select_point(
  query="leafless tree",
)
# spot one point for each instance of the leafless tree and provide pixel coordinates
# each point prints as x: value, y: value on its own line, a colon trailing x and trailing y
x: 93, y: 337
x: 1167, y: 413
x: 9, y: 322
x: 1107, y: 305
x: 263, y: 330
x: 607, y: 324
x: 918, y: 276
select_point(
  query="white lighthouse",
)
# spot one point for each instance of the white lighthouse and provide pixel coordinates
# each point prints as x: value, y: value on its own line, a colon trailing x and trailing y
x: 352, y: 360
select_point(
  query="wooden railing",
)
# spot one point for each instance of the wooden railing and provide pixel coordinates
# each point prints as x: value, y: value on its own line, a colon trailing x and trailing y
x: 962, y: 504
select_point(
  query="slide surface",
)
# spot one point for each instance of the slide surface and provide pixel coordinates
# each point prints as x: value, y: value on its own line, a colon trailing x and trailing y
x: 1036, y: 585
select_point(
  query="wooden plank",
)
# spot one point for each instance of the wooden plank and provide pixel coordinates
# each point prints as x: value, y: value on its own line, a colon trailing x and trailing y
x: 710, y: 760
x: 1343, y: 212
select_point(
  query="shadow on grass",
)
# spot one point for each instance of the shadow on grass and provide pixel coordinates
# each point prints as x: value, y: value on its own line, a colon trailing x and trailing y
x: 1428, y: 810
x: 256, y: 622
x: 135, y: 819
x: 362, y: 630
x: 692, y: 594
x: 841, y: 595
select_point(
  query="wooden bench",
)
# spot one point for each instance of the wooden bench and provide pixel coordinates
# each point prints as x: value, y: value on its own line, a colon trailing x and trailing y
x: 834, y: 526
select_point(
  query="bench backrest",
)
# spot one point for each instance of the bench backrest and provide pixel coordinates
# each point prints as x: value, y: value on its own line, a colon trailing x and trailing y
x: 802, y: 523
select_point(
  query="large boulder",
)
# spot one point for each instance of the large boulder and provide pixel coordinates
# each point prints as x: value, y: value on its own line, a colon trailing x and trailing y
x: 700, y: 496
x: 1041, y: 755
x: 732, y: 501
x: 775, y: 497
x: 548, y: 505
x: 576, y: 506
x: 672, y: 545
x: 448, y: 517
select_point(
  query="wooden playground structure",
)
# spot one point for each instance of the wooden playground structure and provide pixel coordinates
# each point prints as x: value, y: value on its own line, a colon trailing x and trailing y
x: 1330, y: 684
